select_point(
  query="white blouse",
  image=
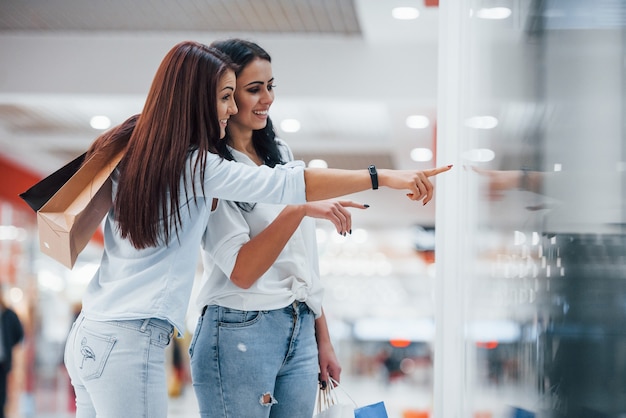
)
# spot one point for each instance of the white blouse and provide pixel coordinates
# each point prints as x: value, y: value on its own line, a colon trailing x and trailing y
x: 156, y: 282
x: 293, y: 276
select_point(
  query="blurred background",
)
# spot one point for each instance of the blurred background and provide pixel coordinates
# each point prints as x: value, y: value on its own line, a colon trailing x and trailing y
x: 504, y: 297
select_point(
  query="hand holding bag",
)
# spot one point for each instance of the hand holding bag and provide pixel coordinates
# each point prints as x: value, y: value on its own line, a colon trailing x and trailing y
x: 328, y: 405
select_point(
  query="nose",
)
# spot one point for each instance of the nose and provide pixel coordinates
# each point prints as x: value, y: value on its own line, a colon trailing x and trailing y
x: 267, y: 97
x: 232, y: 108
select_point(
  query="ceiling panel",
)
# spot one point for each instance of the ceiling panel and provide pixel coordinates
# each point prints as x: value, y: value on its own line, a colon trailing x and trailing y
x: 257, y: 16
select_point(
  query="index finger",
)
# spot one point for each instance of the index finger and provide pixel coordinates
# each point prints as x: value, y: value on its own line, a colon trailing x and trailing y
x: 351, y: 204
x: 438, y: 170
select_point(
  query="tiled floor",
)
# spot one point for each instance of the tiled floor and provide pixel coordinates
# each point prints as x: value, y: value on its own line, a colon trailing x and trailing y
x: 398, y: 399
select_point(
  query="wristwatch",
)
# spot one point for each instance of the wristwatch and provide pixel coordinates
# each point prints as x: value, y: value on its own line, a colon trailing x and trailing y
x: 373, y: 176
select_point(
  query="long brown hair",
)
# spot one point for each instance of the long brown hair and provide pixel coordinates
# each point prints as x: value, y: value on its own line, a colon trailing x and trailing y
x: 179, y: 116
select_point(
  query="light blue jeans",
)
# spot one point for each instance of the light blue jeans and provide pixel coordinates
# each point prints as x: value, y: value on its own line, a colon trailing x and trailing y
x: 255, y: 364
x: 117, y: 368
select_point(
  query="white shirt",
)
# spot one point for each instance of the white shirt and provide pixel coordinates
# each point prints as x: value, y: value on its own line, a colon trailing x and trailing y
x: 156, y: 282
x: 293, y: 276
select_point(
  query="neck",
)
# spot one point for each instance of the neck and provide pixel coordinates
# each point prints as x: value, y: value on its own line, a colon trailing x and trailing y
x: 242, y: 142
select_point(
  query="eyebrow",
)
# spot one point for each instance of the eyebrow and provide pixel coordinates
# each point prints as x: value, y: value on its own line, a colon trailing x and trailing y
x: 228, y: 88
x: 258, y: 82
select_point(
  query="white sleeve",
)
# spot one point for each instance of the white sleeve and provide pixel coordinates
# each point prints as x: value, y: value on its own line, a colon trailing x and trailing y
x: 226, y: 232
x: 239, y: 182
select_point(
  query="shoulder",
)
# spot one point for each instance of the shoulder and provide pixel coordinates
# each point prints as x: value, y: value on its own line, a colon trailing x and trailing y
x: 284, y: 149
x: 280, y: 143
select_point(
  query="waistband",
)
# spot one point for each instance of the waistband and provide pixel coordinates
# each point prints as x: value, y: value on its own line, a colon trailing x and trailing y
x: 139, y: 324
x: 295, y: 305
x: 143, y: 324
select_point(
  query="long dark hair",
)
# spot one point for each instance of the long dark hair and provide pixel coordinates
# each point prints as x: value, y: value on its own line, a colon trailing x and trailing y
x: 242, y: 52
x: 179, y: 116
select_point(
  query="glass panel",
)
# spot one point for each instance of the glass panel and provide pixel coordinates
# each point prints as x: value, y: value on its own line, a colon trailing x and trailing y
x: 542, y: 138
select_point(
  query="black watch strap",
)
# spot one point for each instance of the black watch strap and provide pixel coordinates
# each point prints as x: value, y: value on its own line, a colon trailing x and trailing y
x: 373, y: 176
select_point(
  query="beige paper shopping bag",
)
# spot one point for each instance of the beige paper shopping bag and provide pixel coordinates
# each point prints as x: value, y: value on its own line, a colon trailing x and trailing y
x: 69, y: 219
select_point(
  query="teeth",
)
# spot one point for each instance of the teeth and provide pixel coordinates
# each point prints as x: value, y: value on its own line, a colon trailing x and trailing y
x: 260, y: 112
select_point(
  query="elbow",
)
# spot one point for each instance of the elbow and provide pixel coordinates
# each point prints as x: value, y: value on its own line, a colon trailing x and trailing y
x: 241, y: 280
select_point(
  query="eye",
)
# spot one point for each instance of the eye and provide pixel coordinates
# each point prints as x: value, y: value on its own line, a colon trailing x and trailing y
x: 226, y: 97
x: 253, y: 90
x: 271, y: 87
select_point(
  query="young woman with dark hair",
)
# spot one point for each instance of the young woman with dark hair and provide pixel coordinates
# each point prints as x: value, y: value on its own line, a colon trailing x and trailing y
x: 261, y: 298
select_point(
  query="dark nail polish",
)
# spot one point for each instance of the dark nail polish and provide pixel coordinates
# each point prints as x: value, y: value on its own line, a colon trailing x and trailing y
x: 366, y: 205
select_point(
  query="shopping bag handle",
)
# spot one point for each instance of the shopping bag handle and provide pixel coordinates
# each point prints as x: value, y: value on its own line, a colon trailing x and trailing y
x: 334, y: 384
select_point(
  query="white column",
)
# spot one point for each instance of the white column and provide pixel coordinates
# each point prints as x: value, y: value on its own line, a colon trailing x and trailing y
x: 451, y: 199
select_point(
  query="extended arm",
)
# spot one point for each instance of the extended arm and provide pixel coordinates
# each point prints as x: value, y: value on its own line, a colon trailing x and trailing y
x: 238, y: 182
x: 326, y: 183
x: 261, y: 251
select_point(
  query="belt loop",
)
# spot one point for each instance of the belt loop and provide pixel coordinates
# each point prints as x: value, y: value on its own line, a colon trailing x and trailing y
x: 145, y: 324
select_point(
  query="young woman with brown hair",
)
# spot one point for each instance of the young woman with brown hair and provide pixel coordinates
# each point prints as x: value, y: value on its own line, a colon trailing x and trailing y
x: 162, y: 190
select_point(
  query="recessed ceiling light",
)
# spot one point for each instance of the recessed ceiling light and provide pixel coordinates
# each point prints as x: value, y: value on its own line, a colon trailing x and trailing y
x: 417, y: 122
x: 100, y: 122
x: 421, y: 154
x: 405, y: 13
x: 316, y: 163
x: 494, y: 13
x: 481, y: 122
x: 290, y: 125
x: 479, y: 155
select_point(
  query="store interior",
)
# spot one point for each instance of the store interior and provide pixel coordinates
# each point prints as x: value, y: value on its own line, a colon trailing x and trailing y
x: 501, y: 298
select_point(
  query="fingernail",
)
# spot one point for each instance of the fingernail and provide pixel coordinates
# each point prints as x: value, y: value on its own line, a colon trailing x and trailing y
x: 344, y: 234
x: 350, y: 232
x: 366, y: 205
x: 449, y: 165
x: 323, y: 384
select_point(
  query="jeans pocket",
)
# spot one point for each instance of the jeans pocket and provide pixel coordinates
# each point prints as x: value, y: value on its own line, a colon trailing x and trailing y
x: 235, y: 318
x: 92, y: 353
x: 194, y: 338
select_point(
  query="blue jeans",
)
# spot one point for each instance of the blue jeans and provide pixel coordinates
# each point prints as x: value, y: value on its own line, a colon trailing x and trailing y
x: 117, y: 368
x: 255, y: 364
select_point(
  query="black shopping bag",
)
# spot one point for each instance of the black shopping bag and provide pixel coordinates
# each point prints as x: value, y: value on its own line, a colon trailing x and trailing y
x: 41, y: 192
